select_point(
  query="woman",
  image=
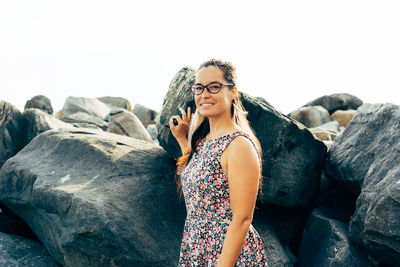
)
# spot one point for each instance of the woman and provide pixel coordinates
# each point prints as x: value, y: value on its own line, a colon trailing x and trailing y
x: 220, y: 173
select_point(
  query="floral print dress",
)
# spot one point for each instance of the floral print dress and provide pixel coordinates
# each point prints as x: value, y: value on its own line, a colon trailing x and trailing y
x: 206, y: 192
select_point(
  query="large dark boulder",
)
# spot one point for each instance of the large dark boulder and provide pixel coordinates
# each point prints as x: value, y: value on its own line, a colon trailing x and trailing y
x: 279, y: 228
x: 334, y: 102
x: 11, y: 131
x: 178, y: 95
x: 40, y: 102
x: 20, y: 251
x: 325, y: 242
x: 97, y: 199
x: 365, y: 158
x: 293, y: 158
x: 12, y: 224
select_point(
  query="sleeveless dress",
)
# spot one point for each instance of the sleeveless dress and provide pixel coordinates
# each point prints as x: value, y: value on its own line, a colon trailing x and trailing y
x: 206, y: 193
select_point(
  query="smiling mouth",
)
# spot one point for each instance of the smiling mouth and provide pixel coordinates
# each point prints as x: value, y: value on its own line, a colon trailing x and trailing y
x: 206, y: 105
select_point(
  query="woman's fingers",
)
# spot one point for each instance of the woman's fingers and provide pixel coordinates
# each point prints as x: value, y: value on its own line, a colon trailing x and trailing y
x: 183, y: 113
x: 189, y: 113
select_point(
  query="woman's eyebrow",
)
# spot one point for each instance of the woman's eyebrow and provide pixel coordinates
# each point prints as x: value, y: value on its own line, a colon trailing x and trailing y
x: 208, y: 83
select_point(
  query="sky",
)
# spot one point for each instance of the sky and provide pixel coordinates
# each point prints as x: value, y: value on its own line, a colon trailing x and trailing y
x: 288, y: 52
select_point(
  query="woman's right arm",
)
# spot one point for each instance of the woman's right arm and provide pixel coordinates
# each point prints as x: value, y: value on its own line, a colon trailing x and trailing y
x: 180, y: 131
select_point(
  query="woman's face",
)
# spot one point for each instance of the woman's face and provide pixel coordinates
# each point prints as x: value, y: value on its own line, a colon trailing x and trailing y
x: 220, y: 103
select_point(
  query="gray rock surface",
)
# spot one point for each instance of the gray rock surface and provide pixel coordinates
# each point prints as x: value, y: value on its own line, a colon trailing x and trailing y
x: 311, y: 116
x: 126, y: 123
x: 40, y: 102
x: 113, y: 101
x: 293, y: 158
x: 146, y: 116
x: 38, y: 121
x: 334, y: 102
x: 85, y: 110
x: 325, y: 242
x: 11, y: 131
x: 18, y: 251
x: 331, y: 125
x: 365, y: 158
x: 96, y: 198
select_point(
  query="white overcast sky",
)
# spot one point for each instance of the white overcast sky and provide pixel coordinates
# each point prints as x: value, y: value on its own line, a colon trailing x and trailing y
x: 289, y: 52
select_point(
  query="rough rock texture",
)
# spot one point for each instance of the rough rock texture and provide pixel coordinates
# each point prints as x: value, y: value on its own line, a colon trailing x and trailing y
x: 293, y: 158
x: 12, y: 224
x: 325, y: 242
x: 40, y: 102
x: 146, y: 116
x: 19, y: 251
x: 311, y: 116
x: 365, y: 158
x: 38, y: 121
x: 86, y: 111
x: 90, y: 106
x: 343, y: 116
x: 126, y: 123
x: 11, y: 131
x: 277, y: 256
x: 113, y: 102
x: 323, y: 134
x: 336, y: 101
x: 279, y: 228
x: 178, y: 95
x: 96, y: 198
x: 331, y: 125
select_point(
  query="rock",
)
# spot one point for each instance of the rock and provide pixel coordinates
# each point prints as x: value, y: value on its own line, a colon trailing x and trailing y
x: 365, y: 159
x: 311, y: 116
x: 262, y: 99
x: 334, y: 102
x: 277, y: 255
x: 177, y: 94
x: 19, y: 251
x: 325, y: 242
x: 152, y: 130
x: 323, y: 134
x: 331, y: 126
x: 82, y: 119
x: 146, y: 116
x: 38, y: 121
x: 11, y: 131
x: 126, y: 123
x: 97, y: 199
x: 279, y: 228
x: 40, y: 102
x: 343, y: 116
x: 335, y: 196
x: 81, y: 109
x: 113, y: 102
x: 293, y: 158
x: 12, y: 224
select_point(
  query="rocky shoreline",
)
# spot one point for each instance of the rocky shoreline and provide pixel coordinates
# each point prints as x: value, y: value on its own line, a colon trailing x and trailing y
x: 93, y: 184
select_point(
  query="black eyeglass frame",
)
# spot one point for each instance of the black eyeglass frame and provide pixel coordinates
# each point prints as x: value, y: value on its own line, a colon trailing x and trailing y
x: 208, y: 89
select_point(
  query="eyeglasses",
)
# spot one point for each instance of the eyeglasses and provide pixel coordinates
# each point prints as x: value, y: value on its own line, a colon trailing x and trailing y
x: 212, y: 88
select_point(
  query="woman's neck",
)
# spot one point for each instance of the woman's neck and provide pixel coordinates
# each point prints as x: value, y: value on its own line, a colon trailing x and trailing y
x: 220, y: 126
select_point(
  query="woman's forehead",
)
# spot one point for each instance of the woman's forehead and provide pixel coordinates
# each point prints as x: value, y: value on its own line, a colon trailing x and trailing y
x: 209, y: 74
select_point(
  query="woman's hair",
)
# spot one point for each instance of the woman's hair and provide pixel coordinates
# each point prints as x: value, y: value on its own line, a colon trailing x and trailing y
x: 200, y: 127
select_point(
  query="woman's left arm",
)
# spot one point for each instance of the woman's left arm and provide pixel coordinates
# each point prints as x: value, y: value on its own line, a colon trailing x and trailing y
x: 243, y: 175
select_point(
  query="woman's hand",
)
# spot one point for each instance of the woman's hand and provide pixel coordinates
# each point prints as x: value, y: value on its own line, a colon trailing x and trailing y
x: 180, y: 131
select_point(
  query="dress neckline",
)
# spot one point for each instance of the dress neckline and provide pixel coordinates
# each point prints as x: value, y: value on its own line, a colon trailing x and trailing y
x: 220, y: 137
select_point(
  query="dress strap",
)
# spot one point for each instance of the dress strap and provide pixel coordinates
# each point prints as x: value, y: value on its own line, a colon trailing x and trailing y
x: 232, y: 136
